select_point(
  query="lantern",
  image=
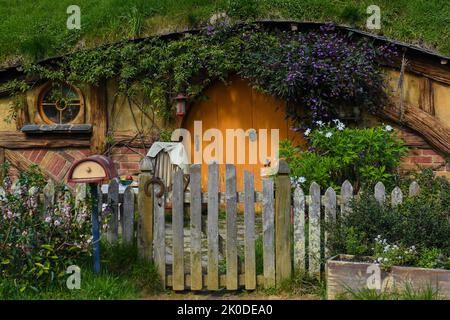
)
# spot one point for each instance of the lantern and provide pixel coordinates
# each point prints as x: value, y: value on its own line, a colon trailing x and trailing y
x: 181, y: 104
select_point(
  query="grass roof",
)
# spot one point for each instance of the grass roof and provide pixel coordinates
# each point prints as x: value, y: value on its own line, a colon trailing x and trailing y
x: 32, y: 30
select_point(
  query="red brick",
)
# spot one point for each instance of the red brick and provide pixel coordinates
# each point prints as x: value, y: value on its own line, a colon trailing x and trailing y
x: 41, y: 156
x: 438, y: 159
x: 429, y: 152
x: 34, y: 154
x: 129, y: 165
x: 422, y: 159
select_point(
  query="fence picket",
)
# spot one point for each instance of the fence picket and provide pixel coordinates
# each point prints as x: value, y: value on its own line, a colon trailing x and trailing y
x: 330, y: 213
x: 213, y: 231
x: 414, y: 189
x: 314, y: 229
x: 196, y: 227
x: 177, y: 231
x: 231, y: 242
x: 283, y: 229
x: 380, y: 192
x: 299, y: 230
x: 249, y: 226
x: 396, y: 196
x: 49, y: 195
x: 346, y: 196
x: 268, y: 233
x: 112, y: 234
x: 128, y: 215
x: 80, y: 194
x: 159, y: 241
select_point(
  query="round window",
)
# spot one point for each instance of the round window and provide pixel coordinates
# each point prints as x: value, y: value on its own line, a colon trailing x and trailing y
x: 60, y: 103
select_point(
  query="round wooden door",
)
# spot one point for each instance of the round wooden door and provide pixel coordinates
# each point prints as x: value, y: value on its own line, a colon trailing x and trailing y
x: 237, y: 106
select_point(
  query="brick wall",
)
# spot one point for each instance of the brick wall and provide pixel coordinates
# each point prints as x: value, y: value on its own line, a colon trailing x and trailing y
x: 127, y: 160
x: 426, y: 158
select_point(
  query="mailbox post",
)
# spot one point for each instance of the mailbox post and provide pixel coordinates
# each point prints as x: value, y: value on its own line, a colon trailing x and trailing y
x: 93, y: 170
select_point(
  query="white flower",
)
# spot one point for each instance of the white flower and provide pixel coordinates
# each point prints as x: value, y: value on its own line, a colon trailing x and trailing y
x: 48, y: 219
x: 319, y: 122
x: 340, y: 126
x: 328, y: 134
x: 307, y: 132
x: 57, y: 223
x: 388, y: 128
x: 302, y: 179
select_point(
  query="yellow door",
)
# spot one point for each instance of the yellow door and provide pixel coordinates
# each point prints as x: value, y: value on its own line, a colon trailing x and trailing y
x: 238, y: 106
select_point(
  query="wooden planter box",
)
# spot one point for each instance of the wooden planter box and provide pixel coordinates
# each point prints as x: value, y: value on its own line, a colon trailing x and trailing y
x: 343, y: 271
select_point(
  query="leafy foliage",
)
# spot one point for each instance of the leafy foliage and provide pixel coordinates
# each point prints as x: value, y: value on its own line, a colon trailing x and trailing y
x: 37, y: 246
x: 320, y: 70
x: 337, y: 153
x: 412, y: 233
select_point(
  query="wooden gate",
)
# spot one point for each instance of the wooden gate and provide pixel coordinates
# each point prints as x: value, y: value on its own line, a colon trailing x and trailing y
x: 203, y: 242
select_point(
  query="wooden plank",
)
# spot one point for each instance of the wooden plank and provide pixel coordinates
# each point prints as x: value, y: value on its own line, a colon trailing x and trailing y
x: 80, y: 193
x: 159, y: 241
x: 213, y: 229
x: 299, y: 230
x: 20, y: 140
x: 99, y: 117
x: 249, y: 230
x: 128, y: 216
x: 196, y: 227
x: 330, y: 213
x: 346, y: 196
x: 396, y: 197
x: 283, y: 230
x: 314, y: 229
x: 112, y: 234
x: 414, y: 189
x: 380, y: 192
x: 145, y: 210
x: 49, y: 195
x: 231, y: 242
x: 177, y: 231
x: 268, y: 211
x: 426, y: 96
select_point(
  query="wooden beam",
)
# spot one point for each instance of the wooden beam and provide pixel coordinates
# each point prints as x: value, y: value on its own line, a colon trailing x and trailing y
x: 426, y: 98
x: 436, y: 133
x: 130, y: 139
x: 20, y: 140
x: 99, y: 117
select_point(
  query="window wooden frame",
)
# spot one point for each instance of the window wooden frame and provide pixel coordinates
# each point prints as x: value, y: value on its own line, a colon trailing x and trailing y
x: 80, y: 118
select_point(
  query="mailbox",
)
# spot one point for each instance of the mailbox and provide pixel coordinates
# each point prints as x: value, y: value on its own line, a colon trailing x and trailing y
x: 93, y: 169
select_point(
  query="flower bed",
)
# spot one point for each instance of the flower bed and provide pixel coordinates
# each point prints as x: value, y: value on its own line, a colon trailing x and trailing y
x: 347, y: 273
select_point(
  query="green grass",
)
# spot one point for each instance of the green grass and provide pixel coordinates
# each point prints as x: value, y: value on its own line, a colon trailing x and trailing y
x: 123, y: 276
x: 37, y: 29
x: 408, y: 293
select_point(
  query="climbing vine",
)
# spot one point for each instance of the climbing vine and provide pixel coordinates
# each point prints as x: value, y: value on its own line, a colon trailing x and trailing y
x: 319, y: 71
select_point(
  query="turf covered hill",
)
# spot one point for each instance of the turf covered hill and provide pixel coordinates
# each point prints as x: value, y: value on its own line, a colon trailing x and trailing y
x: 36, y: 29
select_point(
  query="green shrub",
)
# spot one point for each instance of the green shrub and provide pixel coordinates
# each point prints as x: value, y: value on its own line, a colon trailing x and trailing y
x: 415, y: 232
x: 37, y: 246
x: 360, y: 155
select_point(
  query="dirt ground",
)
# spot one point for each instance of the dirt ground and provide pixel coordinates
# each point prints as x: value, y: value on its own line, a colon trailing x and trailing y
x: 227, y: 296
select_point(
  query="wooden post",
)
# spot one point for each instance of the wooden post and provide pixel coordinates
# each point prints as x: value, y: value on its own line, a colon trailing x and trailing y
x: 178, y: 232
x: 99, y: 117
x: 249, y: 229
x: 112, y: 234
x: 127, y: 218
x: 196, y: 227
x: 314, y: 230
x: 231, y: 243
x: 268, y: 233
x: 299, y: 230
x: 145, y: 209
x: 283, y: 232
x: 213, y: 228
